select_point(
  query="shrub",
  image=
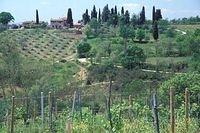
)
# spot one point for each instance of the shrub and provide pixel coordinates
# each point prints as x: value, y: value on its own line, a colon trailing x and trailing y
x: 83, y: 49
x: 133, y: 57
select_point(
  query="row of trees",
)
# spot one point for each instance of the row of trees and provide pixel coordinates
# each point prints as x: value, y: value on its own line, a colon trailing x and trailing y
x: 126, y: 24
x: 114, y: 17
x: 191, y: 20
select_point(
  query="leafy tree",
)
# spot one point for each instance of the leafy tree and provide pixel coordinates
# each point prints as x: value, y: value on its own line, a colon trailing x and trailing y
x: 163, y: 25
x: 37, y: 17
x: 194, y: 46
x: 155, y: 31
x: 6, y: 17
x: 134, y: 20
x: 140, y: 34
x: 88, y: 31
x: 83, y: 49
x: 94, y: 13
x: 132, y: 33
x: 105, y: 14
x: 95, y: 25
x: 125, y: 33
x: 122, y: 11
x: 127, y: 17
x: 133, y: 57
x: 86, y: 17
x: 69, y: 17
x: 142, y: 16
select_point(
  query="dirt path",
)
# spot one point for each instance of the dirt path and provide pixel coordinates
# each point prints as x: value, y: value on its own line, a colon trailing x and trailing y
x: 82, y: 74
x: 183, y: 32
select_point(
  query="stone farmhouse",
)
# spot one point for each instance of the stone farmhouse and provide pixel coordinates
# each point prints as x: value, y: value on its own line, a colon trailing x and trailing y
x: 59, y: 23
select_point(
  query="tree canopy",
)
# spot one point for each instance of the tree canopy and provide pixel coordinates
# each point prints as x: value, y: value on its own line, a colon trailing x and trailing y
x: 6, y: 17
x: 132, y: 57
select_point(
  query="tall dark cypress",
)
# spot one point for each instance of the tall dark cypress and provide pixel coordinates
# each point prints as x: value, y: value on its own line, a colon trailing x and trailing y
x: 69, y: 17
x: 155, y: 31
x: 122, y: 11
x: 99, y: 16
x: 158, y: 14
x: 112, y: 11
x: 86, y: 17
x: 153, y: 14
x: 94, y: 13
x: 37, y: 17
x: 105, y: 14
x: 115, y: 9
x: 142, y: 16
x: 127, y: 17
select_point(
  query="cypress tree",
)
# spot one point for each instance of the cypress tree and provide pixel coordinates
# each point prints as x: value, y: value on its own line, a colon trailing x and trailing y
x: 105, y: 14
x: 86, y: 17
x: 155, y: 31
x: 113, y: 19
x: 94, y: 13
x: 122, y: 11
x: 37, y: 17
x: 112, y: 11
x: 99, y: 17
x: 158, y: 14
x: 142, y: 16
x: 153, y: 14
x: 127, y: 17
x: 69, y: 17
x: 116, y: 10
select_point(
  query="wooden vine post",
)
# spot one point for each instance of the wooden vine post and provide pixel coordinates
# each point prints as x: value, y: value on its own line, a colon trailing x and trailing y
x: 155, y: 113
x: 12, y: 115
x: 186, y: 108
x: 172, y: 119
x: 50, y: 111
x: 42, y: 109
x: 69, y: 126
x: 34, y: 111
x: 130, y: 106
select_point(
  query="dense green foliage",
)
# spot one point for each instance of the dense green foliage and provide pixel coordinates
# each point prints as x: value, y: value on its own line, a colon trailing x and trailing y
x: 179, y: 83
x: 6, y: 17
x: 83, y: 49
x: 133, y: 57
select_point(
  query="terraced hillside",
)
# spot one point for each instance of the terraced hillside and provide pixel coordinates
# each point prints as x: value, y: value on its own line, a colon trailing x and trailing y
x: 43, y: 43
